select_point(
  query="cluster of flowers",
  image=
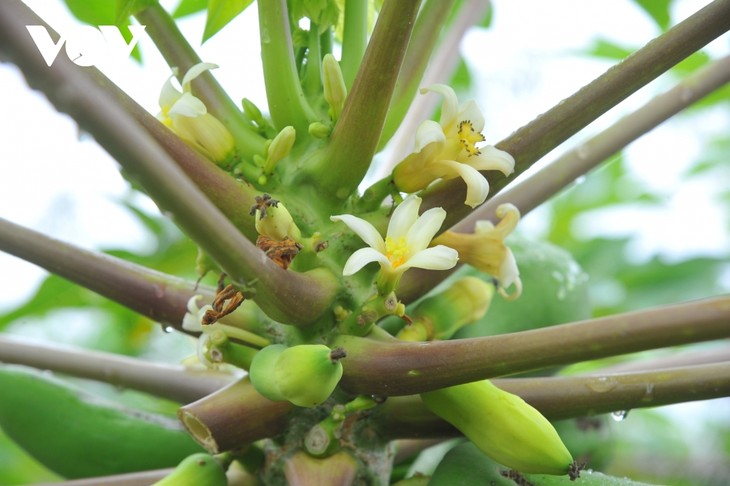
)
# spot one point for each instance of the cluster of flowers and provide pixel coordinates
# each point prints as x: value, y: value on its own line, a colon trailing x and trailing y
x: 444, y: 150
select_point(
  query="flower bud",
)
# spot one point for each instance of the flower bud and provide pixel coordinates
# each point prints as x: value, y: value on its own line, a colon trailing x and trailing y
x: 440, y: 316
x: 279, y: 148
x: 277, y: 223
x: 503, y: 426
x: 306, y: 375
x: 335, y: 91
x: 319, y: 130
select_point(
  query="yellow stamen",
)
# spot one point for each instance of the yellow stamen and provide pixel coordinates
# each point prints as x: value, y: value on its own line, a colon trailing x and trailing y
x: 396, y: 250
x: 469, y: 137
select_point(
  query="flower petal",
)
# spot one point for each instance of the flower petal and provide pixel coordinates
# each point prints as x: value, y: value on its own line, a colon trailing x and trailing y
x: 491, y: 158
x: 439, y: 257
x: 404, y: 216
x: 168, y: 95
x: 194, y: 72
x: 509, y: 274
x: 362, y: 257
x: 428, y: 132
x: 363, y: 229
x: 450, y: 106
x: 477, y: 186
x: 470, y: 111
x: 188, y: 105
x: 425, y: 228
x: 483, y: 226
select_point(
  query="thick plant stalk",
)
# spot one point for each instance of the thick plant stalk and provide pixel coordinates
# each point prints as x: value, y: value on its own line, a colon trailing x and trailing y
x: 548, y: 181
x: 355, y: 39
x: 176, y: 383
x: 287, y: 103
x: 401, y: 368
x: 701, y: 356
x: 567, y: 397
x: 161, y: 297
x: 531, y: 142
x: 358, y: 129
x: 285, y: 296
x: 426, y: 32
x: 234, y: 416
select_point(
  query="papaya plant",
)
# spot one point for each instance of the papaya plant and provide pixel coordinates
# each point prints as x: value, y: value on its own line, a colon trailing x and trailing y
x: 344, y: 323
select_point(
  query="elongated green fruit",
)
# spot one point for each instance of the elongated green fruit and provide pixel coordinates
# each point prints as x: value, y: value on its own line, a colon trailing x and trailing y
x: 199, y: 469
x: 307, y: 374
x: 503, y: 426
x: 262, y: 371
x: 79, y: 435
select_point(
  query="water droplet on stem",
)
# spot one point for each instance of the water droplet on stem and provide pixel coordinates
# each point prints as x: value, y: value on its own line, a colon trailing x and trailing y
x: 619, y: 415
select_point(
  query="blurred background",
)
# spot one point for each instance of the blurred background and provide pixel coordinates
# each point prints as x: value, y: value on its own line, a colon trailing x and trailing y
x: 650, y: 227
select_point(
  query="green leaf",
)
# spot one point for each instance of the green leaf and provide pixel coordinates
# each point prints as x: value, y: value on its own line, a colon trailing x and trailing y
x: 658, y: 10
x: 220, y: 12
x: 189, y: 7
x: 94, y: 12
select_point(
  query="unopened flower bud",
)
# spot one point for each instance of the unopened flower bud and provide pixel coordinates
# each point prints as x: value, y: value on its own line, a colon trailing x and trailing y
x: 503, y: 426
x: 277, y: 223
x: 279, y: 148
x: 319, y: 130
x: 442, y: 315
x: 335, y: 91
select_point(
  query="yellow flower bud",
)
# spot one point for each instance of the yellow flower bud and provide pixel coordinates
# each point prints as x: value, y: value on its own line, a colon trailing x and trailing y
x: 277, y: 223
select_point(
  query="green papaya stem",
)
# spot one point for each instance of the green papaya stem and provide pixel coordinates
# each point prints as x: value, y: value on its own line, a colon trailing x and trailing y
x: 561, y: 173
x: 284, y: 296
x: 569, y: 397
x: 354, y: 39
x: 234, y: 416
x: 431, y: 18
x: 356, y: 134
x: 176, y: 50
x: 173, y: 382
x: 158, y: 296
x: 699, y: 355
x: 534, y: 140
x: 403, y: 368
x: 312, y: 82
x: 287, y: 104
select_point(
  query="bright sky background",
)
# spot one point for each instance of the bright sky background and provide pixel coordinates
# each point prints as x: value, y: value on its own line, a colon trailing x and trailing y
x: 60, y: 182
